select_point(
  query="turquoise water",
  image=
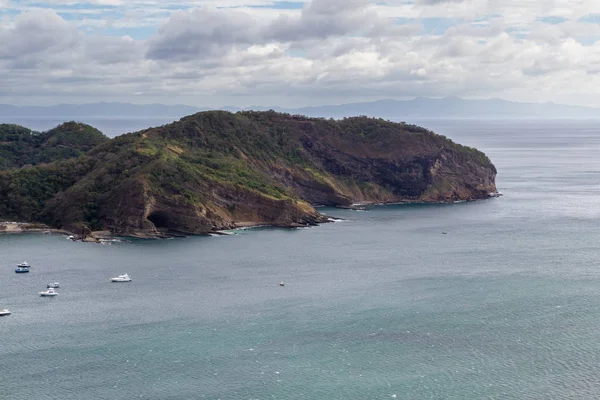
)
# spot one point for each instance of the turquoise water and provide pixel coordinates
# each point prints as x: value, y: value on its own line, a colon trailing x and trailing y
x: 506, y: 305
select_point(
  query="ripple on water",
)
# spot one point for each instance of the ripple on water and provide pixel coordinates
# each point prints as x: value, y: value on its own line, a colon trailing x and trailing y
x: 505, y: 305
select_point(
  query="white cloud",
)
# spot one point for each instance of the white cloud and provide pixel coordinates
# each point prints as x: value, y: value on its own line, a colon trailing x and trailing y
x: 219, y: 52
x: 206, y: 31
x: 35, y: 36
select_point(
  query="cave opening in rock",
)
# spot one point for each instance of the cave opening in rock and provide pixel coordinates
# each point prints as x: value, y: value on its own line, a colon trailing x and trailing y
x: 159, y: 219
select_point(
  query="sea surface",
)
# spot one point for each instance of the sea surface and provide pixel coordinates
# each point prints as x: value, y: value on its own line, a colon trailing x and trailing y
x: 495, y: 299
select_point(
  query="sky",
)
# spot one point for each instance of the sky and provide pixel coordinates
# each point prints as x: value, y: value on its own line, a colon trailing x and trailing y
x: 296, y: 53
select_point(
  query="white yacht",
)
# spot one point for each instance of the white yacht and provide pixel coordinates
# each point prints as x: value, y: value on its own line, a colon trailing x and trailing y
x: 4, y: 312
x: 121, y: 278
x: 54, y: 285
x: 48, y: 293
x: 22, y: 268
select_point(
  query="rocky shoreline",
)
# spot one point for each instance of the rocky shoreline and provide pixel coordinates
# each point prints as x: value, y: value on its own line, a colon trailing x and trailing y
x: 361, y: 205
x: 11, y: 227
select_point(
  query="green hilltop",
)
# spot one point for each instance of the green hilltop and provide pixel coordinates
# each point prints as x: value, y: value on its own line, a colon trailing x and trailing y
x: 20, y: 146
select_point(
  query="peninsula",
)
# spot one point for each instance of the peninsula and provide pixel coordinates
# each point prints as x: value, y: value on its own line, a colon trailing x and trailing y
x: 219, y: 170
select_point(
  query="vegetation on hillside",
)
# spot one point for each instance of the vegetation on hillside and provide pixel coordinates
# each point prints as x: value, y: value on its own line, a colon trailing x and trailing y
x: 20, y: 146
x: 211, y: 169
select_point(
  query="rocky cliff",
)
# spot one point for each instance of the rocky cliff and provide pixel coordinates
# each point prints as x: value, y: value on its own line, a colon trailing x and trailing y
x: 217, y: 170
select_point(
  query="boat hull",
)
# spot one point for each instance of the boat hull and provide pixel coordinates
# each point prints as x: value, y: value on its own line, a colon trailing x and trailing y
x: 21, y: 271
x: 48, y: 294
x: 120, y: 280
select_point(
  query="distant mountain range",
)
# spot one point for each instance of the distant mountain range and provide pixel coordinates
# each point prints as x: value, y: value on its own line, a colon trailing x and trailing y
x: 97, y: 110
x: 450, y: 107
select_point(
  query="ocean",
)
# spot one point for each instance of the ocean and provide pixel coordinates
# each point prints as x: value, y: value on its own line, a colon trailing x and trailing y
x: 494, y: 299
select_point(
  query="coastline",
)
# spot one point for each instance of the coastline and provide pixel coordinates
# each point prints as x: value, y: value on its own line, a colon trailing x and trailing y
x: 12, y: 227
x: 19, y: 228
x: 360, y: 206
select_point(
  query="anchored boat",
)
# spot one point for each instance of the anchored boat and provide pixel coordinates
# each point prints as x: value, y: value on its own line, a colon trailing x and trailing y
x: 22, y: 268
x: 121, y: 278
x: 49, y: 293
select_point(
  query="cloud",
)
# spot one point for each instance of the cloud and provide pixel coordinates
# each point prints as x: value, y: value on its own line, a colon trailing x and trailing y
x: 325, y: 18
x: 187, y: 35
x: 435, y: 2
x: 255, y: 51
x: 200, y: 32
x: 35, y: 35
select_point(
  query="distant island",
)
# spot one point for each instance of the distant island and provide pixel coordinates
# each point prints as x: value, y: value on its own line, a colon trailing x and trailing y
x: 219, y: 170
x: 398, y: 110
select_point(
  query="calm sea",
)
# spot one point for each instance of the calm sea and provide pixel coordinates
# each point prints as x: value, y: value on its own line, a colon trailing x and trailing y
x: 383, y: 305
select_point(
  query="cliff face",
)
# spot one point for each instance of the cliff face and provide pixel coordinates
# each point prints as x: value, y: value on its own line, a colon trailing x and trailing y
x: 408, y: 165
x: 217, y: 170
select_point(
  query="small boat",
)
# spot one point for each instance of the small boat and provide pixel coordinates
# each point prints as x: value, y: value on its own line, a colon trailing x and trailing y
x: 48, y: 293
x: 22, y: 268
x: 54, y: 285
x: 281, y: 283
x: 121, y: 278
x: 4, y: 312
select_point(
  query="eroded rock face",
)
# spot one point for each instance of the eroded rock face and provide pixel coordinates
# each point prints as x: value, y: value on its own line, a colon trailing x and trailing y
x: 133, y: 210
x: 386, y: 173
x: 218, y: 170
x: 458, y: 178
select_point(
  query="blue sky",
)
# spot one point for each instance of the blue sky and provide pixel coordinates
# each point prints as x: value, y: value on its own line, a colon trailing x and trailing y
x: 294, y: 53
